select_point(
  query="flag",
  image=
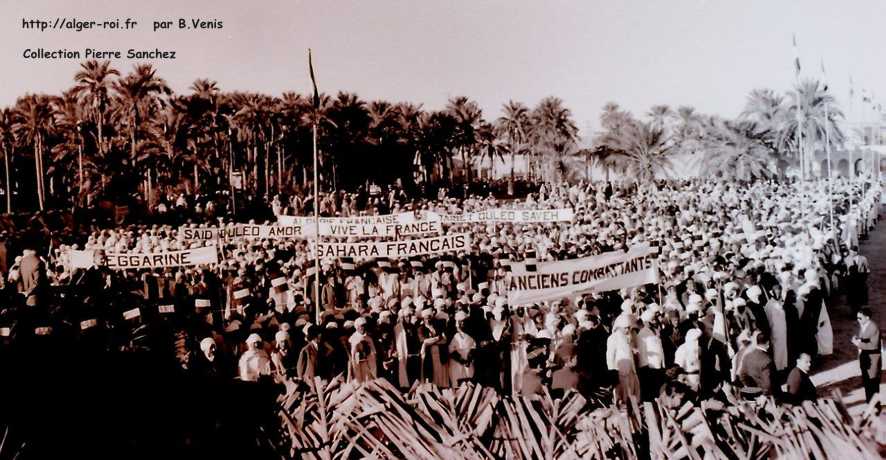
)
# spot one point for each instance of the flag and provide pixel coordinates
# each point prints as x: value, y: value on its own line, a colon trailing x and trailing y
x: 313, y: 81
x: 796, y: 58
x: 851, y: 88
x: 824, y: 76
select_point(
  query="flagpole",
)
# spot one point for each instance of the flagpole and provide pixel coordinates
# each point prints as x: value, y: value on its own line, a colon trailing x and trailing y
x: 827, y: 146
x: 316, y: 105
x: 316, y: 229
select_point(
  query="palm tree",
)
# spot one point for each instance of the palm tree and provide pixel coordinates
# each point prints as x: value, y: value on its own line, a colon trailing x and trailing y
x: 467, y: 115
x: 606, y: 151
x: 646, y: 152
x: 33, y: 124
x: 605, y: 157
x: 69, y: 118
x: 7, y: 143
x: 513, y: 126
x: 554, y: 133
x: 737, y: 150
x: 812, y: 111
x: 94, y: 81
x: 488, y: 146
x: 688, y: 130
x: 660, y: 115
x: 436, y: 139
x: 139, y: 96
x: 351, y: 121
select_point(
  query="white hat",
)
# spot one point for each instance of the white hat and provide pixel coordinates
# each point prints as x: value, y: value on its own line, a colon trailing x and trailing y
x: 206, y: 343
x: 253, y: 338
x: 461, y: 316
x: 627, y: 306
x: 361, y: 321
x: 693, y: 335
x: 568, y: 330
x: 281, y: 336
x: 754, y: 293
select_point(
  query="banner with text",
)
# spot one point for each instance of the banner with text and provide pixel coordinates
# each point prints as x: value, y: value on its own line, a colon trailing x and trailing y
x: 397, y: 249
x: 125, y: 261
x: 513, y: 216
x: 388, y: 225
x: 604, y: 272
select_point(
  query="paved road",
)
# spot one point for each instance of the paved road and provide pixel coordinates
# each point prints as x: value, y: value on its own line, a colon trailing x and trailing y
x: 840, y: 371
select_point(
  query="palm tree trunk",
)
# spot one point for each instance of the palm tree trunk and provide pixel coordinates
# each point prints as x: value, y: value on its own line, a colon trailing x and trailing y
x: 196, y: 177
x: 8, y: 185
x: 255, y: 167
x: 279, y: 169
x: 150, y: 190
x: 38, y: 173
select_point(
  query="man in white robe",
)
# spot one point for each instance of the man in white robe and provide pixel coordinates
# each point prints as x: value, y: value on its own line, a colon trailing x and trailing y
x: 363, y: 361
x: 775, y: 314
x: 461, y: 348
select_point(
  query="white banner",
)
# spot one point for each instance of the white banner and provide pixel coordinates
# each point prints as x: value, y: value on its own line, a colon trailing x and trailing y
x: 397, y: 249
x: 388, y: 225
x: 125, y: 261
x: 198, y: 233
x: 514, y: 216
x: 605, y: 272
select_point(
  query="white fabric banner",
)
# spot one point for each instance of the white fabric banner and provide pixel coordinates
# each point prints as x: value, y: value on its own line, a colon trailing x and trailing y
x: 514, y: 216
x: 387, y: 225
x: 125, y: 261
x: 199, y: 233
x: 397, y: 249
x: 604, y: 272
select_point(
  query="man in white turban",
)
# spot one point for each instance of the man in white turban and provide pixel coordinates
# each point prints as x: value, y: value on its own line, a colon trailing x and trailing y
x: 363, y: 361
x: 688, y: 357
x: 461, y: 350
x: 620, y: 358
x: 254, y: 362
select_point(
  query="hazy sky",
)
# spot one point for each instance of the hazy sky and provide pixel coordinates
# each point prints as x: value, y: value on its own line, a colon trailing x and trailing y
x: 708, y: 54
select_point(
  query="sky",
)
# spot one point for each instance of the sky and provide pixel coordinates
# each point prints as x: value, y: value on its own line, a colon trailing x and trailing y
x: 708, y: 54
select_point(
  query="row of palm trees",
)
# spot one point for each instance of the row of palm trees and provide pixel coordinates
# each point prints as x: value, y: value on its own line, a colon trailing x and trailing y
x: 113, y: 135
x: 771, y: 131
x: 116, y: 135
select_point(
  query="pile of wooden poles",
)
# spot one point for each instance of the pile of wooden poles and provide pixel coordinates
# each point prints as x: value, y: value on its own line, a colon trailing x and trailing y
x: 375, y: 420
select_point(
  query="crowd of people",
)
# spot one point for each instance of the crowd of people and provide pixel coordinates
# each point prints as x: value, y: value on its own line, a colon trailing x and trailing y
x: 745, y: 271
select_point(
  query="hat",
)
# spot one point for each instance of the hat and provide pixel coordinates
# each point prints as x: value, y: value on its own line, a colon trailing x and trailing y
x: 253, y: 338
x: 361, y: 321
x: 754, y: 293
x: 623, y: 321
x: 461, y: 315
x: 427, y: 313
x: 206, y: 343
x: 281, y: 336
x: 693, y: 335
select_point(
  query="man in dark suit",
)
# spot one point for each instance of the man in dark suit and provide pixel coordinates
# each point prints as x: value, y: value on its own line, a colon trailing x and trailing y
x: 868, y: 343
x: 715, y: 364
x: 799, y: 386
x: 306, y: 368
x: 33, y: 276
x: 756, y: 373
